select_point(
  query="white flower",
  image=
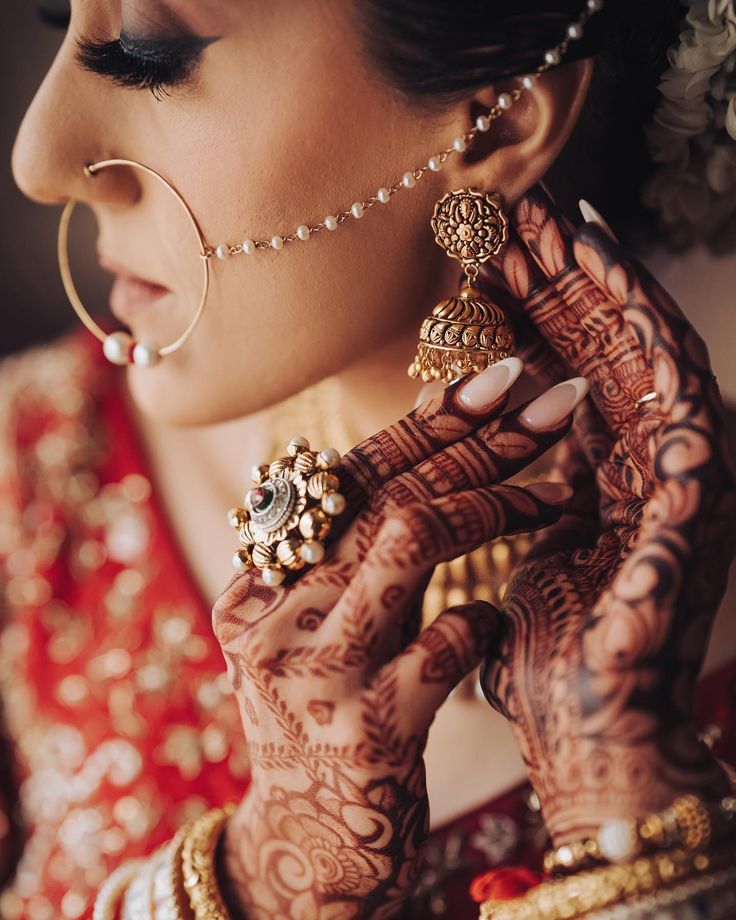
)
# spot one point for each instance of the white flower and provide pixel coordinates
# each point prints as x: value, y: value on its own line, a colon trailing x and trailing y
x: 695, y: 123
x: 731, y: 118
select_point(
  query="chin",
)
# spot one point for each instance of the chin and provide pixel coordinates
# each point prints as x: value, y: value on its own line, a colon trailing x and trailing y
x: 180, y: 394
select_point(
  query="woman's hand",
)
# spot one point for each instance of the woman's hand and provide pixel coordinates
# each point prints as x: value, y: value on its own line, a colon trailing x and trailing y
x: 607, y: 619
x: 336, y: 690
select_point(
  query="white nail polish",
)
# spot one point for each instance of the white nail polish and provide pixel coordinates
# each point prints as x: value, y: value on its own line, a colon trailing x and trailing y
x: 592, y: 216
x: 553, y: 406
x: 480, y: 392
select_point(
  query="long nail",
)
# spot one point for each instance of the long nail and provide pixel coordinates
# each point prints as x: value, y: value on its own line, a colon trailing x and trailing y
x: 554, y: 493
x: 555, y: 405
x: 485, y: 388
x: 594, y: 217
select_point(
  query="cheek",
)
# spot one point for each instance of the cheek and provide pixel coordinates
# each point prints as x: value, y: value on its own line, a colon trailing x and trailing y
x: 277, y: 322
x: 288, y: 153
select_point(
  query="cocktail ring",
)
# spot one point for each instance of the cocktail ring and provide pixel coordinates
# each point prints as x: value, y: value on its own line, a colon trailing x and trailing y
x: 289, y: 513
x: 647, y: 397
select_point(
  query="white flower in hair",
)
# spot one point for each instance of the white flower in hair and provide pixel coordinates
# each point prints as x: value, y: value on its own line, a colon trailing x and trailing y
x: 694, y: 128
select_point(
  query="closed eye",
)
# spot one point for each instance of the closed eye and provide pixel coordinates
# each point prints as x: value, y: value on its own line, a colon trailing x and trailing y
x: 156, y: 64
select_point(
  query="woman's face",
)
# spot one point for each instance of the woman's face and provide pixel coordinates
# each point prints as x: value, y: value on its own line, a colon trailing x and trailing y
x: 281, y: 121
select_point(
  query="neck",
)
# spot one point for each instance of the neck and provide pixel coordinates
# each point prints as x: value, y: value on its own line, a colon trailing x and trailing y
x: 355, y: 403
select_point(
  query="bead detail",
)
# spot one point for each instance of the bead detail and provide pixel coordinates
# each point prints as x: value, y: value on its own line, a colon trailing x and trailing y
x: 383, y: 195
x: 222, y: 252
x: 277, y: 242
x: 302, y: 231
x: 482, y: 122
x: 330, y: 222
x: 356, y: 210
x: 249, y: 247
x: 408, y: 180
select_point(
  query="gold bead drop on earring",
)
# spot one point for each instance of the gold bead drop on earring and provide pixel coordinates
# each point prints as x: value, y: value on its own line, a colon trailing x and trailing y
x: 465, y: 333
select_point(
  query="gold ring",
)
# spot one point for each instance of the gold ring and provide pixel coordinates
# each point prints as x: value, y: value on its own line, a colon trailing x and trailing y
x: 647, y: 397
x: 119, y: 347
x: 289, y: 513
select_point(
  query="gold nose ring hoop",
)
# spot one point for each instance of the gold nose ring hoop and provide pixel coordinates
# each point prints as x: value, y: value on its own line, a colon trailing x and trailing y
x: 119, y: 347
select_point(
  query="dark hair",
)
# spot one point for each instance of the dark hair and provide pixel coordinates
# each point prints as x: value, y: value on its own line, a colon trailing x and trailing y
x: 436, y: 52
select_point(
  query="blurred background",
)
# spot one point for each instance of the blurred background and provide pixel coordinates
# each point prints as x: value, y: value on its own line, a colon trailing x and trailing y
x: 34, y: 305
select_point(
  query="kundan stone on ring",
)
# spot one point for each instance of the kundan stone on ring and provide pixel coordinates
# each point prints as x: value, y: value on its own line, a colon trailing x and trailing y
x: 288, y: 514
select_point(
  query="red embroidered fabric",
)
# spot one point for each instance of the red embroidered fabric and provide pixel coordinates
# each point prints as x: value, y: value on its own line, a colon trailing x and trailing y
x: 114, y: 691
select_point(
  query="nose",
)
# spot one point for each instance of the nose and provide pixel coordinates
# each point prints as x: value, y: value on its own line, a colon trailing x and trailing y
x: 70, y: 123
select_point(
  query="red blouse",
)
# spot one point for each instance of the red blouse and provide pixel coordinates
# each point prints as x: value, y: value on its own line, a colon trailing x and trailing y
x: 113, y: 686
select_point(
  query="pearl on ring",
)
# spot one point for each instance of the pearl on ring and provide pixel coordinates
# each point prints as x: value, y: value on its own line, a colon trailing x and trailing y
x: 312, y: 552
x: 329, y: 458
x: 116, y: 347
x: 272, y: 576
x: 333, y: 503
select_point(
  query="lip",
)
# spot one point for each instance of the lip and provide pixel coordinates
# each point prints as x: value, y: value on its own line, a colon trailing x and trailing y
x: 130, y: 294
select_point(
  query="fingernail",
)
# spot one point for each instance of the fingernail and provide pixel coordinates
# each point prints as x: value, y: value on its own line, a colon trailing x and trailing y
x: 556, y: 404
x: 590, y: 214
x: 428, y: 391
x: 485, y: 388
x: 554, y: 493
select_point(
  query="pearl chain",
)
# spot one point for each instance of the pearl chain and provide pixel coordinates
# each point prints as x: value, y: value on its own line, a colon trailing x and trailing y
x: 434, y: 164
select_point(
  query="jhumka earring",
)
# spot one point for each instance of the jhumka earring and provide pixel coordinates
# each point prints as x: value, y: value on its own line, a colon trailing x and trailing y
x: 465, y: 333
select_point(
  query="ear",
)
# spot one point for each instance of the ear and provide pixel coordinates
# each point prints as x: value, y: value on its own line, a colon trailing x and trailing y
x: 524, y: 141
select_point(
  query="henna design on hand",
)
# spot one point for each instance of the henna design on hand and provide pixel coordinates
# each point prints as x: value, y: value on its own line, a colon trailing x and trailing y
x: 606, y: 620
x: 336, y: 688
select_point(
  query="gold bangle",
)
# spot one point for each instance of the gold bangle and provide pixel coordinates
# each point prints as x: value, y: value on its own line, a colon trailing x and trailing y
x: 170, y: 901
x: 198, y: 864
x: 687, y: 822
x: 112, y: 889
x: 576, y: 895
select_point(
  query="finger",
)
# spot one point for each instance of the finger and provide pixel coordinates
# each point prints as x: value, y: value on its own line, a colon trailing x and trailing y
x: 676, y: 354
x: 541, y: 361
x: 446, y: 418
x: 581, y: 321
x: 410, y: 543
x: 445, y: 652
x: 492, y: 454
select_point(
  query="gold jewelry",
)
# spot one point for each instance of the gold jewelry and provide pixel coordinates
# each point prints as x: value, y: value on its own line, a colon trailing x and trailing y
x: 170, y: 901
x: 647, y: 397
x: 119, y: 347
x: 113, y: 888
x: 289, y: 514
x: 552, y: 58
x: 198, y: 864
x: 465, y: 333
x: 687, y: 822
x: 577, y: 895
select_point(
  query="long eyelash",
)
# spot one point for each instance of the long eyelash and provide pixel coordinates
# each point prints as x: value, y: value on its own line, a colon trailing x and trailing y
x: 149, y: 64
